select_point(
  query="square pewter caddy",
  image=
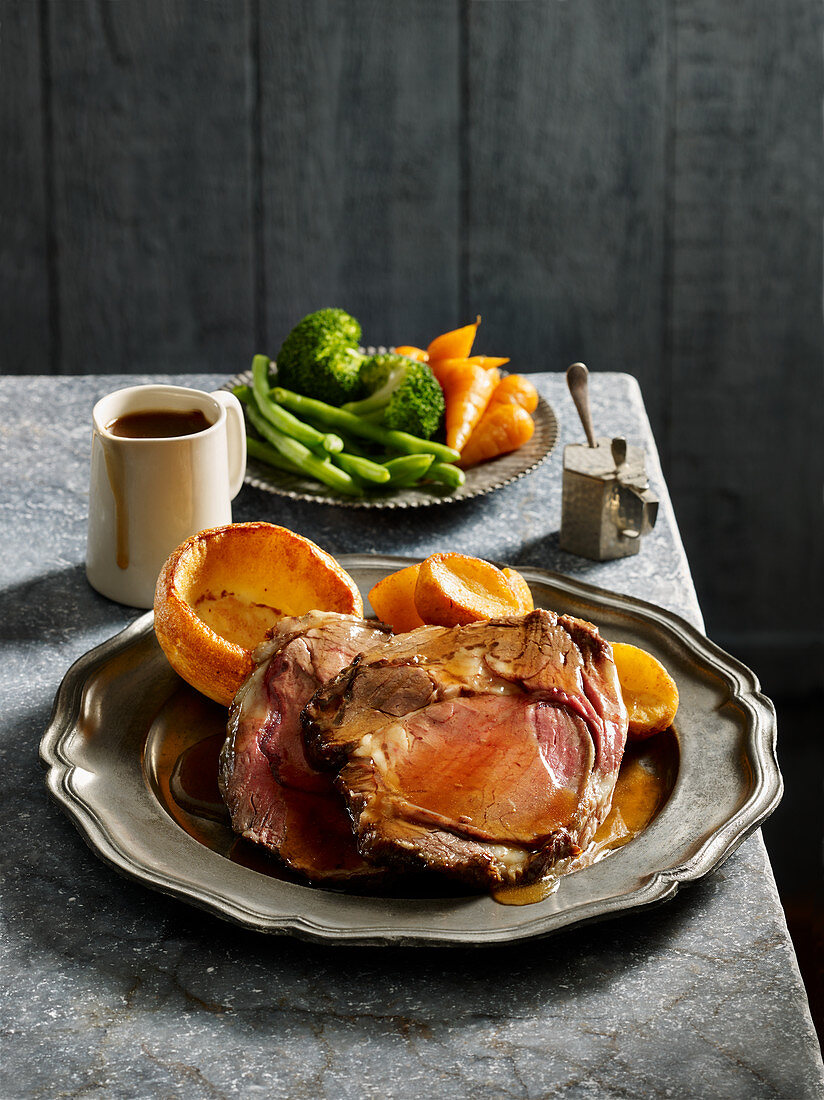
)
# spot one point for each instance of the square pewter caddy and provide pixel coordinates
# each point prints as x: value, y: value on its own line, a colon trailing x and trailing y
x: 607, y: 505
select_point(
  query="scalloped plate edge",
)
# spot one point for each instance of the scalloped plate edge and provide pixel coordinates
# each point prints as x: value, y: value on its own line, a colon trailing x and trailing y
x: 655, y: 888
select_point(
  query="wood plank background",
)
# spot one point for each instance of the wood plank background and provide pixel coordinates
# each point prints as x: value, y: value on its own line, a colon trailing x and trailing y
x: 635, y: 185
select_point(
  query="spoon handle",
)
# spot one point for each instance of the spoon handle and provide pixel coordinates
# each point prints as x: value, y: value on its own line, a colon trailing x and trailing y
x: 577, y: 376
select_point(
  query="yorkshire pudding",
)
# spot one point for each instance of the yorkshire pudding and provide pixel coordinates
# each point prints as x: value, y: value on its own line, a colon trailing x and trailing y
x: 222, y: 589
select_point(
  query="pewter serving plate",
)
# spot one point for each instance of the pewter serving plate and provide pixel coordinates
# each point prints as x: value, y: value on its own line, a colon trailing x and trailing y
x: 102, y: 750
x: 480, y: 480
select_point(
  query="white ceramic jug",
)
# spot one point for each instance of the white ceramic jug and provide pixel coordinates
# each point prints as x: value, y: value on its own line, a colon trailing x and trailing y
x: 148, y: 494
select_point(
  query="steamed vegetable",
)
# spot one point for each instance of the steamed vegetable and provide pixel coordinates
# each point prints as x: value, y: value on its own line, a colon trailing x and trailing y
x: 447, y: 474
x: 265, y: 452
x: 362, y: 422
x: 361, y: 467
x: 485, y: 361
x: 403, y: 391
x: 505, y: 424
x: 320, y: 357
x: 412, y: 353
x: 300, y: 456
x: 516, y: 389
x: 349, y: 423
x: 467, y: 390
x: 456, y: 344
x: 281, y: 419
x: 504, y: 427
x: 408, y: 469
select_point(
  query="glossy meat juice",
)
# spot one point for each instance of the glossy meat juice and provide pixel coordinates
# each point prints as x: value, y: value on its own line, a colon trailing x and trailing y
x: 491, y: 752
x: 190, y: 732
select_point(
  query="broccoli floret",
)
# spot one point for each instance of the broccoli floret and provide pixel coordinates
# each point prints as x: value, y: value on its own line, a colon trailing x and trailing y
x: 320, y: 358
x: 405, y: 391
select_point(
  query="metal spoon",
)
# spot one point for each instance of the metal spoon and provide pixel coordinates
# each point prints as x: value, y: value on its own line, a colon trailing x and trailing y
x: 577, y: 376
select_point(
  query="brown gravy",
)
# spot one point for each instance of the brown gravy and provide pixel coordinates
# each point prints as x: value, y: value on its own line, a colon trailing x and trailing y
x: 182, y: 752
x: 193, y: 782
x: 159, y: 424
x: 644, y: 782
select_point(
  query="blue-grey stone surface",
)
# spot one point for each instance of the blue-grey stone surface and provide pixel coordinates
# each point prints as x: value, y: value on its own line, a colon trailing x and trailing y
x: 112, y: 990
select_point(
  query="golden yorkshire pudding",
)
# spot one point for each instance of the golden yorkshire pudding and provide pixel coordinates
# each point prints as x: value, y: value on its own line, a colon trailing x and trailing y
x: 222, y: 589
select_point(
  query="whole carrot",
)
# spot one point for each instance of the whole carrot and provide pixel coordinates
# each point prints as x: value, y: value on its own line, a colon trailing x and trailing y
x: 411, y: 352
x: 467, y: 389
x: 504, y: 427
x: 456, y: 344
x: 515, y: 389
x: 486, y: 361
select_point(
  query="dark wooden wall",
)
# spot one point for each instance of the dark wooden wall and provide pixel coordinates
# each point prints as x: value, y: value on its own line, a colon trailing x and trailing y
x: 638, y: 185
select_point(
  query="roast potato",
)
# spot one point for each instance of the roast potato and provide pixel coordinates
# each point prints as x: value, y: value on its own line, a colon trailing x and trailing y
x: 393, y: 600
x: 453, y: 589
x: 650, y: 694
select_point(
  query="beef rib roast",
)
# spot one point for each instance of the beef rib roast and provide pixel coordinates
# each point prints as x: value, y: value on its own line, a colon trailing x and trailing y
x: 488, y: 751
x: 274, y: 796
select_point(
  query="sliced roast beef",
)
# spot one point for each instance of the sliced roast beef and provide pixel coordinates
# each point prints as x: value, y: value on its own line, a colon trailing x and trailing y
x: 274, y: 796
x: 488, y: 751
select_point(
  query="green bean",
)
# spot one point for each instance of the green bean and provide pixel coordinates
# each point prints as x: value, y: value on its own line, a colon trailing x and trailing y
x: 361, y: 467
x: 283, y: 420
x: 307, y: 462
x: 351, y: 445
x: 348, y: 422
x: 407, y: 469
x: 448, y: 474
x: 265, y: 452
x: 358, y: 447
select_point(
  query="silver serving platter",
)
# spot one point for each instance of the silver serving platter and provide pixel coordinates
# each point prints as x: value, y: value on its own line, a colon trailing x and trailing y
x: 482, y: 479
x: 99, y: 769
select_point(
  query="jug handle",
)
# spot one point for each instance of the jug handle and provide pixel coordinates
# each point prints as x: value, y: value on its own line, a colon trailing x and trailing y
x: 235, y: 439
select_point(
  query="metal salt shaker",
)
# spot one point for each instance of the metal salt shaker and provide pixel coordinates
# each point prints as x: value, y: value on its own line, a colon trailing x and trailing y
x: 607, y: 505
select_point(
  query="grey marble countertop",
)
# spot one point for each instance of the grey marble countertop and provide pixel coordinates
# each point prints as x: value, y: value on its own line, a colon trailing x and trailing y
x: 111, y: 990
